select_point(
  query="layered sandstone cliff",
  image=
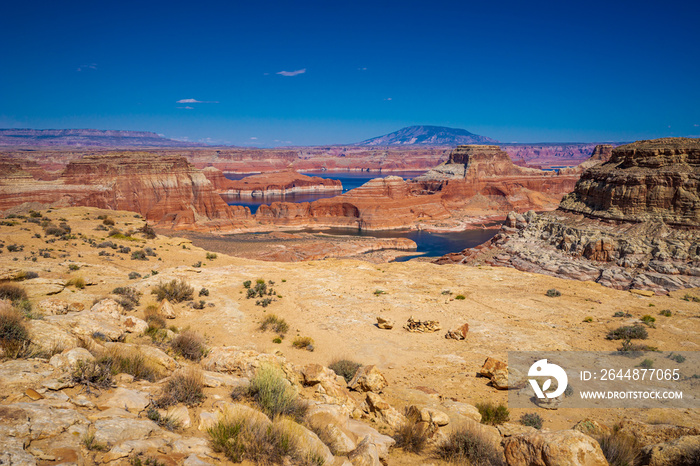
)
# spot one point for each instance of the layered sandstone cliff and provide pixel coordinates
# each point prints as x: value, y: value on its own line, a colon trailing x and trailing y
x: 633, y: 222
x: 165, y: 190
x: 271, y: 183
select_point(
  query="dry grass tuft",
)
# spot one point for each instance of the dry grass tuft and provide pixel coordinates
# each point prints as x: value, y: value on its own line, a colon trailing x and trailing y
x: 184, y: 387
x: 190, y: 345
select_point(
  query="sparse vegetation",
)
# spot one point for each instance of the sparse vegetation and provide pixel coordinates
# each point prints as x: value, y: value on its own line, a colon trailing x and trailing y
x: 274, y: 323
x: 275, y: 395
x: 467, y: 445
x: 14, y: 336
x: 130, y: 362
x: 588, y: 319
x: 460, y: 297
x: 128, y: 297
x: 687, y: 297
x: 197, y: 264
x: 174, y: 291
x: 345, y: 368
x: 184, y: 387
x: 630, y: 332
x: 648, y: 320
x: 553, y: 293
x: 620, y: 449
x: 492, y: 414
x: 78, y: 282
x: 92, y: 374
x: 190, y: 345
x: 91, y: 444
x: 647, y: 363
x: 679, y: 358
x: 629, y: 347
x: 665, y: 313
x: 532, y: 420
x: 166, y: 422
x: 204, y: 292
x: 211, y: 256
x: 379, y: 292
x: 73, y: 267
x: 147, y: 231
x: 303, y: 343
x: 622, y: 314
x: 139, y: 254
x: 134, y: 275
x: 14, y: 293
x: 246, y: 284
x: 412, y: 435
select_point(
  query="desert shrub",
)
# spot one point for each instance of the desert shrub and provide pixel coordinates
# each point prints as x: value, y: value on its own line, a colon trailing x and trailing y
x: 14, y: 336
x: 630, y: 332
x: 147, y: 231
x: 461, y: 297
x: 134, y: 275
x: 184, y: 387
x: 199, y: 304
x: 14, y: 293
x: 274, y: 323
x: 303, y: 343
x: 648, y: 320
x: 622, y: 314
x: 91, y: 444
x: 26, y: 275
x: 147, y: 461
x: 492, y: 414
x: 532, y: 420
x: 379, y: 292
x: 647, y: 363
x: 620, y: 449
x: 345, y: 368
x: 139, y: 255
x: 73, y: 267
x: 467, y: 445
x: 666, y: 313
x: 14, y: 248
x: 412, y: 435
x: 53, y: 230
x: 277, y: 340
x: 274, y: 395
x: 108, y: 221
x: 553, y: 293
x: 690, y: 297
x: 588, y: 319
x: 197, y: 264
x: 174, y: 291
x: 34, y: 214
x: 166, y: 422
x: 246, y: 284
x: 211, y: 256
x: 107, y: 244
x: 93, y: 374
x: 679, y: 358
x: 203, y: 292
x: 227, y: 438
x: 124, y: 250
x: 133, y: 363
x: 78, y: 282
x: 153, y: 317
x: 128, y: 297
x: 632, y: 348
x: 189, y: 345
x: 263, y: 302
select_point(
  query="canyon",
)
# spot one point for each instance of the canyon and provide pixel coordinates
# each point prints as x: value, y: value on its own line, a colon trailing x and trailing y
x: 630, y: 223
x: 270, y: 183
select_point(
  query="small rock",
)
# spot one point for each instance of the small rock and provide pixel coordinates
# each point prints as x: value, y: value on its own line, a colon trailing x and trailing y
x: 568, y: 447
x: 459, y: 333
x: 368, y: 379
x: 366, y: 454
x: 384, y: 323
x: 166, y: 309
x: 33, y: 394
x: 131, y: 400
x: 425, y: 326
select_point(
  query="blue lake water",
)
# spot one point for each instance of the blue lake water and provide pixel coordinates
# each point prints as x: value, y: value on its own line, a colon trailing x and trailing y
x: 350, y: 180
x: 430, y: 244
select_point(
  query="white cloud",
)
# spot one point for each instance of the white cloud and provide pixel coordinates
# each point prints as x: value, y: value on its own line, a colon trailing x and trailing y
x: 187, y: 107
x: 362, y: 69
x: 388, y: 98
x: 195, y: 101
x: 253, y: 138
x: 91, y: 66
x: 292, y: 73
x: 696, y: 125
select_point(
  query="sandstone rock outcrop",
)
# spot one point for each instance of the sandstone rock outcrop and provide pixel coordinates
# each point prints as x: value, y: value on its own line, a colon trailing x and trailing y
x: 165, y: 190
x: 631, y: 223
x: 271, y: 183
x: 568, y: 447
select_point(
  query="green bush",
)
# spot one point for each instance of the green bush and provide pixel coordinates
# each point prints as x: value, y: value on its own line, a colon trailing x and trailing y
x: 532, y: 420
x: 211, y: 256
x: 553, y: 293
x: 345, y: 368
x: 630, y: 332
x: 622, y: 314
x: 492, y: 414
x: 648, y: 320
x: 647, y: 363
x: 687, y: 297
x: 665, y: 313
x: 461, y: 297
x: 303, y: 343
x: 128, y: 297
x: 274, y: 395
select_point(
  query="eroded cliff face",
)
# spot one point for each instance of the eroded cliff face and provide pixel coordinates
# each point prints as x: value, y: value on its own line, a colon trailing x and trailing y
x: 270, y: 183
x: 630, y: 223
x: 165, y: 190
x: 645, y: 181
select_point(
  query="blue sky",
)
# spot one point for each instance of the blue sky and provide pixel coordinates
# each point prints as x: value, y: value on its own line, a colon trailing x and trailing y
x: 269, y: 73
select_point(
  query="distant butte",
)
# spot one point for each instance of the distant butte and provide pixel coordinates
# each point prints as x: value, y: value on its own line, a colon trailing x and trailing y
x: 428, y: 136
